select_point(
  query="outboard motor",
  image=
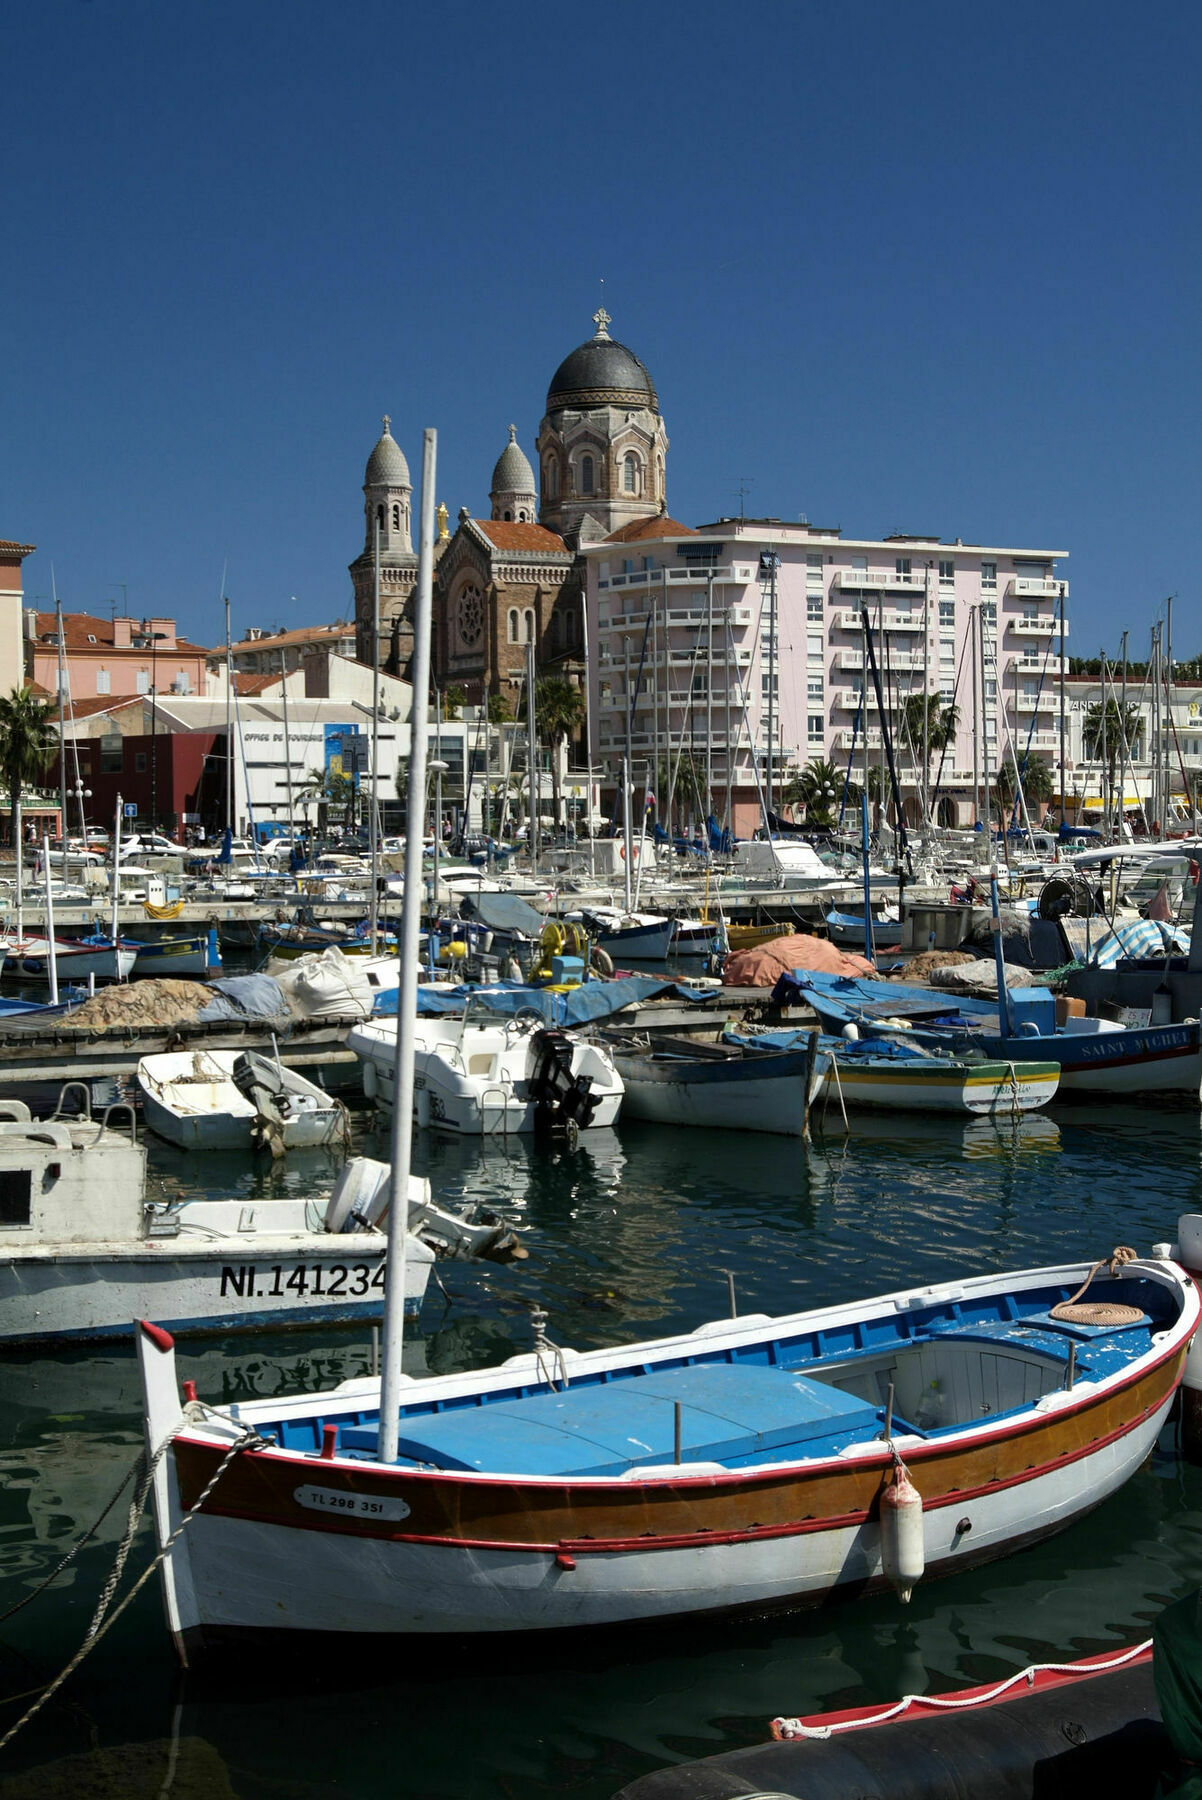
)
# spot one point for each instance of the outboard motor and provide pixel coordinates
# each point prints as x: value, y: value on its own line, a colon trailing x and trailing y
x: 564, y: 1102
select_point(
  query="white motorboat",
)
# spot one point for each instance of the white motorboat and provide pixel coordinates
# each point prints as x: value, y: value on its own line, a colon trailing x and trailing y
x: 83, y: 1251
x: 235, y: 1100
x: 28, y: 959
x: 484, y: 1076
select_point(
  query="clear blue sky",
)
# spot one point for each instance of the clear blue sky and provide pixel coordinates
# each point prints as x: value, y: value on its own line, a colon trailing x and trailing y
x: 920, y: 267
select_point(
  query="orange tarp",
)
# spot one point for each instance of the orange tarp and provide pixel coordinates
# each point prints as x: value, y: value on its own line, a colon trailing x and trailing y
x: 766, y: 963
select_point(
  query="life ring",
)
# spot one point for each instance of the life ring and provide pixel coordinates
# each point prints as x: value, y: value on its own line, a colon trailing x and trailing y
x: 622, y: 851
x: 601, y: 960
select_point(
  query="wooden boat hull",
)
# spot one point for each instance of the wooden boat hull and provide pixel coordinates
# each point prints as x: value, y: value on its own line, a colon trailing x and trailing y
x: 760, y: 1093
x: 1158, y: 1059
x: 172, y: 956
x: 993, y: 1087
x: 643, y: 943
x: 294, y: 1541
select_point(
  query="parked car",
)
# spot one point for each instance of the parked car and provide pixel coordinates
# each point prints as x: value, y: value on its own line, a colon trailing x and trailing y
x: 148, y: 843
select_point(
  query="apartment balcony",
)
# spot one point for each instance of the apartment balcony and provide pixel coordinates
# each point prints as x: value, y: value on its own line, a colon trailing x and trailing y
x: 848, y: 699
x: 891, y: 621
x: 1026, y: 587
x: 844, y: 740
x: 1042, y: 627
x: 1034, y: 703
x: 691, y: 618
x: 1037, y: 666
x: 698, y: 577
x: 880, y: 580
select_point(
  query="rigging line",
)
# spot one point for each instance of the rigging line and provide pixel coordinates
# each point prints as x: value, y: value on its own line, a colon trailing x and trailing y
x: 855, y: 732
x: 1034, y: 719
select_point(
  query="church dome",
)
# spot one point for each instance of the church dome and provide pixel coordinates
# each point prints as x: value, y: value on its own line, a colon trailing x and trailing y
x: 513, y: 474
x: 386, y: 466
x: 601, y: 373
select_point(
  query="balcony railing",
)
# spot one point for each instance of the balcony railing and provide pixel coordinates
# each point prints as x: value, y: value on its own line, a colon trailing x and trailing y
x: 1045, y: 626
x: 698, y: 577
x: 1030, y: 588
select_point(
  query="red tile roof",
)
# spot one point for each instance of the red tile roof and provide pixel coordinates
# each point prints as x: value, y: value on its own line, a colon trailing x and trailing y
x: 661, y: 526
x: 254, y: 684
x: 9, y: 548
x: 305, y: 634
x: 101, y: 703
x: 505, y: 534
x: 80, y: 628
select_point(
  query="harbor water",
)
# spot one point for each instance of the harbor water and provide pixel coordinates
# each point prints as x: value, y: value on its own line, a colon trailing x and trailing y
x: 630, y: 1235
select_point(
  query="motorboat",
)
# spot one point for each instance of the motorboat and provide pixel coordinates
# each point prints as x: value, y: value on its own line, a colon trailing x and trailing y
x: 630, y: 936
x: 483, y: 1075
x: 98, y: 958
x: 743, y: 1086
x: 84, y: 1250
x: 236, y: 1100
x: 753, y: 1463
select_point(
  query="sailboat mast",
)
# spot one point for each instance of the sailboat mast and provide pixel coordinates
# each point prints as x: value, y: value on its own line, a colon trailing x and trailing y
x: 62, y: 728
x: 409, y: 935
x: 229, y: 722
x: 374, y: 820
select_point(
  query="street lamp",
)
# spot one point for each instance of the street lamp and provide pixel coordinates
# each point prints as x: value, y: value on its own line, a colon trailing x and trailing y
x: 81, y: 794
x: 154, y: 638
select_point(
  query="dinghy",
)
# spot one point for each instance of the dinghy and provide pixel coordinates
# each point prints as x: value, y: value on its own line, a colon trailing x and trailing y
x: 235, y: 1100
x: 491, y: 1075
x: 742, y: 1466
x: 83, y: 1250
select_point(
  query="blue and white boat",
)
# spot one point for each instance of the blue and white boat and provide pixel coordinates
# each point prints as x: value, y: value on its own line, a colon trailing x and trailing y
x: 1096, y: 1056
x: 734, y: 1086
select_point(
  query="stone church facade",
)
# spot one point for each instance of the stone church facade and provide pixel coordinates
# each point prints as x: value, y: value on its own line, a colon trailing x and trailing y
x: 517, y: 577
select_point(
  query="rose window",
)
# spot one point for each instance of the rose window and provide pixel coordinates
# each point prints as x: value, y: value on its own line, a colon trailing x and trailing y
x: 471, y: 615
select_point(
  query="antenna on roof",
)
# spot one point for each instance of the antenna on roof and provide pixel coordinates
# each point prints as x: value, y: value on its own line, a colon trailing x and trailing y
x: 745, y: 482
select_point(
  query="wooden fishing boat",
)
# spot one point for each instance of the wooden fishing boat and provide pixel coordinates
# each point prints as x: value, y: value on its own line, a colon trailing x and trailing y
x: 235, y: 1100
x: 847, y: 929
x: 735, y: 1086
x: 748, y: 937
x: 902, y: 1076
x: 745, y: 1465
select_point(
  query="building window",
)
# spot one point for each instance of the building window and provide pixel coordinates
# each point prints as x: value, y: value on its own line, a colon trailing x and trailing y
x: 380, y: 517
x: 586, y: 474
x: 630, y: 473
x: 514, y: 636
x: 815, y: 728
x: 112, y: 758
x: 947, y: 612
x: 814, y: 687
x: 143, y: 681
x: 814, y: 607
x: 396, y: 518
x: 182, y: 683
x: 552, y: 480
x: 139, y: 762
x: 528, y: 623
x: 104, y: 682
x: 989, y: 575
x: 947, y: 571
x: 901, y: 565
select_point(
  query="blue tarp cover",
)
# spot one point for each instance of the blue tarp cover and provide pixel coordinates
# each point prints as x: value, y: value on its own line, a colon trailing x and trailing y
x: 245, y: 997
x: 579, y: 1006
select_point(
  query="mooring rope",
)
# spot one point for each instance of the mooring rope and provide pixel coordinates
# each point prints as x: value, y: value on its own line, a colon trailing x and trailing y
x: 1100, y: 1312
x: 102, y: 1619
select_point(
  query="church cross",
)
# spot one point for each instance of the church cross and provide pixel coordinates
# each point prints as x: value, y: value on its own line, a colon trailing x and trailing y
x: 387, y: 423
x: 601, y: 320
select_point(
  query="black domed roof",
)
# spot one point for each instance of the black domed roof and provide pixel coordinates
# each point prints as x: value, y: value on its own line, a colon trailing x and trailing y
x: 601, y: 373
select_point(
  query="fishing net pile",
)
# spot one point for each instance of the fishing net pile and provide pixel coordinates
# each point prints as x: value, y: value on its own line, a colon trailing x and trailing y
x: 981, y: 977
x: 763, y: 965
x: 140, y: 1006
x: 920, y: 967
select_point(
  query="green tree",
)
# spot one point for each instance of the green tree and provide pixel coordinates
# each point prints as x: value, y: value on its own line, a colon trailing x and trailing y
x: 1104, y: 724
x: 27, y: 742
x: 500, y: 712
x: 559, y: 712
x: 331, y: 792
x: 453, y: 701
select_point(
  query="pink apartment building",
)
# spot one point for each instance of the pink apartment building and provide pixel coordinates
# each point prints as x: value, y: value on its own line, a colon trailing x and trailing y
x: 112, y: 656
x: 680, y: 623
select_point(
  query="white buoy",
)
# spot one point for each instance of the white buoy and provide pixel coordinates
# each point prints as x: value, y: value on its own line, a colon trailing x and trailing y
x: 1188, y: 1252
x: 851, y: 1032
x: 903, y: 1555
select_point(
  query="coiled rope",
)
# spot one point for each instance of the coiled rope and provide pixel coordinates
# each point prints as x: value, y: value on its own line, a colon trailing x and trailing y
x: 795, y: 1728
x: 102, y: 1619
x: 1100, y: 1312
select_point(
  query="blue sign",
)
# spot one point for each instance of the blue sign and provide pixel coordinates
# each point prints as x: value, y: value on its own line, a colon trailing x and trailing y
x: 130, y: 809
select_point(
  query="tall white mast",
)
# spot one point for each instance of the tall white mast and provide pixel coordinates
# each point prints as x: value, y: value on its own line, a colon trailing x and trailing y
x: 410, y: 933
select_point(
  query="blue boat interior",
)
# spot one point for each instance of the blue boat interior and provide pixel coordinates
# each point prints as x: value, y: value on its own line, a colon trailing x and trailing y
x: 788, y: 1397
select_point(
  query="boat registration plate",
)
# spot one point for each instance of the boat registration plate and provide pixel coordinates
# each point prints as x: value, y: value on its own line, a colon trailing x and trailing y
x: 339, y: 1504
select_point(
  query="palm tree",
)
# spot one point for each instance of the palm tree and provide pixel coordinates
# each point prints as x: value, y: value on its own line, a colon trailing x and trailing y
x: 560, y: 711
x: 818, y: 787
x: 1039, y: 786
x: 1105, y: 723
x: 941, y: 724
x: 27, y: 740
